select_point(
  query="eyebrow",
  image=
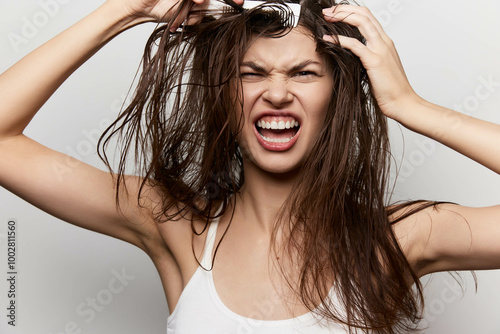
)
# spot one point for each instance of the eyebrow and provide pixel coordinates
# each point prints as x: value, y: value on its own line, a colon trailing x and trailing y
x: 303, y: 64
x: 295, y: 68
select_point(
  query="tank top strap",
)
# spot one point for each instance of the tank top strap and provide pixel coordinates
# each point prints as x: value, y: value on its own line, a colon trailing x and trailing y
x: 206, y: 261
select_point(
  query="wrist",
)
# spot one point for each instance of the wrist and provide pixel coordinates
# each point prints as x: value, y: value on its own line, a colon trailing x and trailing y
x: 403, y: 109
x: 118, y: 18
x: 418, y: 115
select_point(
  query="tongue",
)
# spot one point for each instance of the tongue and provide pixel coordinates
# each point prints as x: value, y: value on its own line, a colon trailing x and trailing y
x: 278, y: 134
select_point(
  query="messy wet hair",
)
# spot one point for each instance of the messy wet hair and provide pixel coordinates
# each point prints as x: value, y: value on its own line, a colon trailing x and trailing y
x: 181, y: 127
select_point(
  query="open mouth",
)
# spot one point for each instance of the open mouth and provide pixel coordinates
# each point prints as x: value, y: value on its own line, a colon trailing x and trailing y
x: 277, y: 129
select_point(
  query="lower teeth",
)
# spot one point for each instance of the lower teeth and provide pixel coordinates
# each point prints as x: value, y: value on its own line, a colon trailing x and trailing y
x: 277, y: 140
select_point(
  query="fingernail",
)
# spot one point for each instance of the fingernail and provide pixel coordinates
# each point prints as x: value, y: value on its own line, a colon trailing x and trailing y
x: 328, y: 38
x: 327, y: 13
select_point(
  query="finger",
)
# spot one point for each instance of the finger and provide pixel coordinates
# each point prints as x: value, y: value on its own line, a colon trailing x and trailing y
x: 363, y: 23
x: 358, y: 48
x: 194, y: 18
x: 369, y: 58
x: 198, y: 11
x: 365, y: 12
x: 367, y: 25
x: 334, y: 14
x: 238, y: 2
x: 200, y: 8
x: 355, y: 9
x: 181, y: 17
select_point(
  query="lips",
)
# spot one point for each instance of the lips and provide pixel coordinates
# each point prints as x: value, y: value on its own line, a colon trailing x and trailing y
x: 277, y: 132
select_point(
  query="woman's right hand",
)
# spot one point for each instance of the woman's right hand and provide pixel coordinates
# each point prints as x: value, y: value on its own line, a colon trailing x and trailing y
x: 159, y: 10
x: 163, y: 10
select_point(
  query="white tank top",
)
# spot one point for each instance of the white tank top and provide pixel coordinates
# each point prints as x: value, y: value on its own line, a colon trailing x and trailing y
x: 200, y: 310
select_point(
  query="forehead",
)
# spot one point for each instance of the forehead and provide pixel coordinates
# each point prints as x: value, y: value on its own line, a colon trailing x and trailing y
x: 296, y: 46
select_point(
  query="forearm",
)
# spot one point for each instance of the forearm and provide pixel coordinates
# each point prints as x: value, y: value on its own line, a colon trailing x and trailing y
x: 27, y: 85
x: 474, y: 138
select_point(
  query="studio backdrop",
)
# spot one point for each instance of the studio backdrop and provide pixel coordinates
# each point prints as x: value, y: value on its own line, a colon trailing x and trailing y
x: 68, y: 280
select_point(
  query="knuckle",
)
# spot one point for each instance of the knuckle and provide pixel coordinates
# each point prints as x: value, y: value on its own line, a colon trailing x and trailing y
x: 365, y: 20
x: 357, y: 45
x: 372, y: 30
x: 364, y: 10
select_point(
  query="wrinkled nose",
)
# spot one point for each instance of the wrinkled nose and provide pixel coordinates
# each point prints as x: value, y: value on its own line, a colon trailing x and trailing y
x: 277, y: 93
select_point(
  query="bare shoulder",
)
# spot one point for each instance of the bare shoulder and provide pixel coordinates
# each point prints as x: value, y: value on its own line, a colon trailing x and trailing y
x: 171, y: 235
x: 446, y: 236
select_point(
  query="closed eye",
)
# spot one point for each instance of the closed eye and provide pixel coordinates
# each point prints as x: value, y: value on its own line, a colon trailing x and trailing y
x: 250, y: 74
x: 304, y: 73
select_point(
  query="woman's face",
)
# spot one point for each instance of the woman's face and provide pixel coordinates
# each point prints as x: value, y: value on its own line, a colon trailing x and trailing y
x: 286, y: 90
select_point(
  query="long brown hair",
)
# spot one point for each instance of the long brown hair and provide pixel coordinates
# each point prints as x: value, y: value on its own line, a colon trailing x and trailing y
x: 181, y: 127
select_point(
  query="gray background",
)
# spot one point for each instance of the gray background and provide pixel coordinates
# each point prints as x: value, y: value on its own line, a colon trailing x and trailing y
x: 449, y: 48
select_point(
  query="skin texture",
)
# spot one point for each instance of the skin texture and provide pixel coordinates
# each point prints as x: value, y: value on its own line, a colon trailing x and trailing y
x: 291, y: 79
x: 433, y: 240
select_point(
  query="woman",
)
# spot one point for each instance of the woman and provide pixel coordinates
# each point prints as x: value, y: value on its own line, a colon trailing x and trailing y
x: 299, y: 210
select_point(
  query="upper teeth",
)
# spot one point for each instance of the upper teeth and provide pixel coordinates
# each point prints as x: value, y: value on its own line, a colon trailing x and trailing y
x: 280, y: 125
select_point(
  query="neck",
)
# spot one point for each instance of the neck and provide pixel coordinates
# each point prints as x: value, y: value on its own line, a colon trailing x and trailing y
x: 262, y: 196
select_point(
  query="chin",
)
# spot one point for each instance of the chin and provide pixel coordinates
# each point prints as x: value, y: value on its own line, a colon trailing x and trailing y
x: 276, y: 162
x: 280, y: 166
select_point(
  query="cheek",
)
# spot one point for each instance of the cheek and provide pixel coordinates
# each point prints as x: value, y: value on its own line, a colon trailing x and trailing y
x: 250, y: 93
x: 319, y: 102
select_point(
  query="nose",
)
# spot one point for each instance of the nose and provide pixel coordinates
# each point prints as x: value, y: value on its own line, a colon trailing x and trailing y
x: 277, y: 93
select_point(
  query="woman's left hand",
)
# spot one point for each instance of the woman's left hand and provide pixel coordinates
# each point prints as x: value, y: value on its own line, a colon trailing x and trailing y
x: 379, y: 57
